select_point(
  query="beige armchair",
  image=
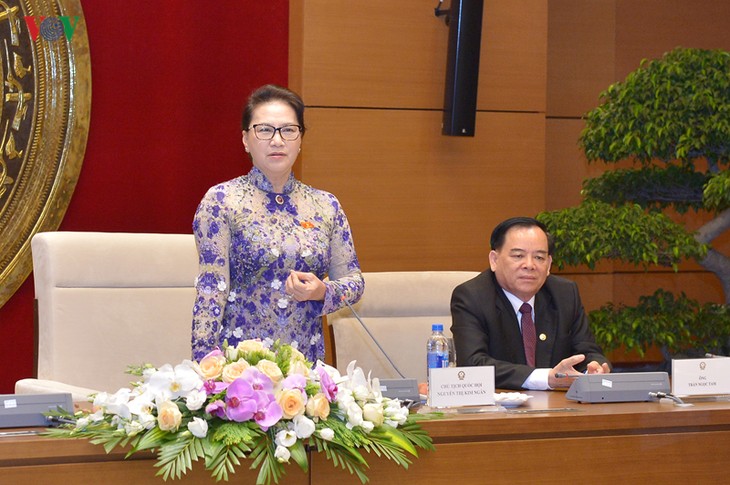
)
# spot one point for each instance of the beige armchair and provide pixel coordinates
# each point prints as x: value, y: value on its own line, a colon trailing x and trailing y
x: 398, y: 308
x: 105, y: 301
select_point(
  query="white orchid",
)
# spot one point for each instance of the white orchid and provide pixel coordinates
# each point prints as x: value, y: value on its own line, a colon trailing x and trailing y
x: 117, y: 403
x: 172, y: 383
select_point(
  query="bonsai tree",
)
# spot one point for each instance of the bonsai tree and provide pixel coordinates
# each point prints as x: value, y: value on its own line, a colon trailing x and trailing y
x: 670, y: 121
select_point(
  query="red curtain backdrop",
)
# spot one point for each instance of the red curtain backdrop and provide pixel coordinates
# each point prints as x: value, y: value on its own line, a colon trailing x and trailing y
x: 169, y: 80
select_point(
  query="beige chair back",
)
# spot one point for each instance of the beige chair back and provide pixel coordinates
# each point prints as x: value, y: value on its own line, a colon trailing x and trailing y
x: 108, y: 300
x: 398, y: 308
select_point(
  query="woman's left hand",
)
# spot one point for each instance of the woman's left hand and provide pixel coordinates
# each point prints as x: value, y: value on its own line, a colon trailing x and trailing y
x: 305, y: 286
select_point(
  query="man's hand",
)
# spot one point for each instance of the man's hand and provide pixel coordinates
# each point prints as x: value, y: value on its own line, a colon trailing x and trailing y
x: 567, y: 367
x: 305, y: 286
x: 596, y: 368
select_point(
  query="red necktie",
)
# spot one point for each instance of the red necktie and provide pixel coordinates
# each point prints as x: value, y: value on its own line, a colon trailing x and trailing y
x: 528, y: 333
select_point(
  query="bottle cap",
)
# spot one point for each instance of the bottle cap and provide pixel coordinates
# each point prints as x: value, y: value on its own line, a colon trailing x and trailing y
x: 437, y: 327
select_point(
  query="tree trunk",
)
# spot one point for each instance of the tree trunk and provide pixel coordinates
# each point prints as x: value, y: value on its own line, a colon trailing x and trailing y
x: 715, y: 261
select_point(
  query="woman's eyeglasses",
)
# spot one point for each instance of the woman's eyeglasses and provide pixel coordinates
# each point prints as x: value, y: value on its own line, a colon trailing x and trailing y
x: 265, y: 132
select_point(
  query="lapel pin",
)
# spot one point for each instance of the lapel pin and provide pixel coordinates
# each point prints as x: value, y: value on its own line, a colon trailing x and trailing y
x: 543, y: 337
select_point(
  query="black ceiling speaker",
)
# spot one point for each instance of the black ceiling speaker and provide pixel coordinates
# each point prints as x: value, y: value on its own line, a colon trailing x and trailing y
x: 462, y: 67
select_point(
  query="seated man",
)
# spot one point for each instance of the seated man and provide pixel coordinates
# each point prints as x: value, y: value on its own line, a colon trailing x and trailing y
x: 528, y: 324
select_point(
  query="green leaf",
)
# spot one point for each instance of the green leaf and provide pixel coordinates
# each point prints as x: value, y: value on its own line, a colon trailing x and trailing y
x: 299, y: 455
x: 176, y: 457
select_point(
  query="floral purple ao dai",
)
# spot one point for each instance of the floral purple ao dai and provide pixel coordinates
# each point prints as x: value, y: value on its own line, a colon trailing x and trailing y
x: 249, y: 239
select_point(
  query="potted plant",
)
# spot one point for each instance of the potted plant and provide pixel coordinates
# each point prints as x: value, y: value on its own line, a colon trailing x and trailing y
x: 670, y: 120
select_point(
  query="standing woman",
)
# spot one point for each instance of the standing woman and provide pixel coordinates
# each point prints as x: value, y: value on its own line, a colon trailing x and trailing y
x: 266, y: 242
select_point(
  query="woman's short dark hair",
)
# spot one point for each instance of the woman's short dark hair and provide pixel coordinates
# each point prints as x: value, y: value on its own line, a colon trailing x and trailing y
x: 268, y: 93
x: 496, y: 241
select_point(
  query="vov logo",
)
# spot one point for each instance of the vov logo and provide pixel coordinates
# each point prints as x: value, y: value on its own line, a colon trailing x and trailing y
x: 51, y: 28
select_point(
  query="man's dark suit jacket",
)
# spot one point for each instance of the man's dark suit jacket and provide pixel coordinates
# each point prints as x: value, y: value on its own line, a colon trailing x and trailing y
x: 486, y: 331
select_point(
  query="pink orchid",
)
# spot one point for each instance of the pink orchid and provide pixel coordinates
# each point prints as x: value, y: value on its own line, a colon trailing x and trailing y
x: 269, y: 412
x: 240, y: 400
x: 216, y: 408
x: 329, y: 388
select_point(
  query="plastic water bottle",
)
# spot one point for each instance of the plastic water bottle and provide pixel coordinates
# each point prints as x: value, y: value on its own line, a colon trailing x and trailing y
x: 437, y: 349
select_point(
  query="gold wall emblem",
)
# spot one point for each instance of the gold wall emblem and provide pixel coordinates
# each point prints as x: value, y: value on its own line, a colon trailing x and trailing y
x: 44, y: 122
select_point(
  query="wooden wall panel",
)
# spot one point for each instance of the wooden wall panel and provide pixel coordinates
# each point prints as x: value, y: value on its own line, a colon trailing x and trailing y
x: 702, y: 286
x: 565, y: 164
x: 513, y: 65
x: 417, y: 200
x: 390, y: 54
x: 647, y: 29
x: 596, y: 289
x: 581, y: 55
x: 375, y: 54
x: 372, y: 75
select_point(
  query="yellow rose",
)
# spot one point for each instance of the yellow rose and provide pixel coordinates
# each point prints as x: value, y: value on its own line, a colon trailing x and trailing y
x: 250, y: 346
x: 318, y: 406
x: 168, y: 416
x: 291, y: 402
x: 233, y: 371
x: 271, y: 369
x: 212, y: 365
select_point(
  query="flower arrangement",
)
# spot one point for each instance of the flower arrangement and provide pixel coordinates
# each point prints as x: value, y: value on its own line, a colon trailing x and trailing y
x: 258, y: 400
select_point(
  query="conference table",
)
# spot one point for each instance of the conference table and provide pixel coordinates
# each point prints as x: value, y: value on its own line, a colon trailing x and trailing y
x: 548, y: 440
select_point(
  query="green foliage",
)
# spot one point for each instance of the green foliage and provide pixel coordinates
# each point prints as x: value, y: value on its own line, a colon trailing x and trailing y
x: 254, y: 357
x: 138, y: 370
x: 283, y: 358
x: 155, y: 438
x: 675, y: 323
x: 671, y: 117
x: 263, y: 458
x: 412, y: 431
x: 233, y: 433
x: 717, y: 192
x: 341, y: 457
x: 674, y: 108
x: 175, y: 459
x: 596, y: 230
x: 222, y: 460
x: 384, y: 440
x: 344, y: 435
x: 649, y: 187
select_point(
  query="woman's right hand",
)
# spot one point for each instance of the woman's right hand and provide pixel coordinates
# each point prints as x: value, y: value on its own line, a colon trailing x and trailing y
x: 305, y: 286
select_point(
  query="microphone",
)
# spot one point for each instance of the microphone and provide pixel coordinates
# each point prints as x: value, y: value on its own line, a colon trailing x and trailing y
x: 560, y: 375
x: 666, y: 395
x: 365, y: 327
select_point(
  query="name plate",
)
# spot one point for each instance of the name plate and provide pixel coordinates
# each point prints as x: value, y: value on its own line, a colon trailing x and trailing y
x: 696, y: 377
x: 461, y: 386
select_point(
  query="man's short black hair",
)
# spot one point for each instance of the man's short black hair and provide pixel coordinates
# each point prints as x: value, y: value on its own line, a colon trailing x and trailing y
x: 496, y: 241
